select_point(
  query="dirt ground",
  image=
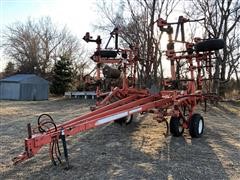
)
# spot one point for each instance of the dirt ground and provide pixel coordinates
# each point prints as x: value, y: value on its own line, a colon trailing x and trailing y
x: 137, y: 151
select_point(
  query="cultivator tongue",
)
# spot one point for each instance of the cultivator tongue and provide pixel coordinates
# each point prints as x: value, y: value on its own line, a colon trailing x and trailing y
x: 47, y: 132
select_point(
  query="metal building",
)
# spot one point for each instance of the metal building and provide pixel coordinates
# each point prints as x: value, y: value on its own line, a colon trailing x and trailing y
x: 24, y: 87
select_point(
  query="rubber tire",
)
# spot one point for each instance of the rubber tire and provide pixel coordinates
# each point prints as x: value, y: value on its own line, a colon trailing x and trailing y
x: 174, y: 127
x: 194, y: 125
x: 209, y: 45
x: 106, y: 53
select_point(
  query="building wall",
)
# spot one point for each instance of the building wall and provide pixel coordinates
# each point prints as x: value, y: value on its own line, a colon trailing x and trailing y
x: 9, y: 90
x: 24, y: 87
x: 17, y: 91
x: 43, y: 91
x: 34, y: 91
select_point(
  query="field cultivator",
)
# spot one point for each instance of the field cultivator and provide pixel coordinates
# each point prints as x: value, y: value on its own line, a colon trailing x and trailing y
x: 177, y: 101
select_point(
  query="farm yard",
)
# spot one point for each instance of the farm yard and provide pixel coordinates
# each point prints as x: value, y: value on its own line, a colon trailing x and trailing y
x: 136, y: 151
x: 154, y: 67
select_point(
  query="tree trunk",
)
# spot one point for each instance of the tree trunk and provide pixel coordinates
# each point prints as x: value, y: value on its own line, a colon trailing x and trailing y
x: 215, y: 87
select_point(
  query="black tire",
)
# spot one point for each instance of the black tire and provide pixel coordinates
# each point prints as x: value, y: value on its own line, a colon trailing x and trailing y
x: 196, y: 126
x: 106, y: 53
x: 209, y: 45
x: 176, y: 127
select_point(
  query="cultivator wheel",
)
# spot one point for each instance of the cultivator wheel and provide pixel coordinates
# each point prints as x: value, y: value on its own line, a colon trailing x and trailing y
x: 196, y: 126
x: 176, y: 126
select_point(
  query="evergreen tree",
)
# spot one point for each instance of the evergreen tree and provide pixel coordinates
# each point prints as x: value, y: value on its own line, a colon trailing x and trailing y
x: 9, y: 70
x: 62, y: 76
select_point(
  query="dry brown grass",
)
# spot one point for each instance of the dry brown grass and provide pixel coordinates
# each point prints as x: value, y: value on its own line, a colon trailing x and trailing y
x: 138, y: 151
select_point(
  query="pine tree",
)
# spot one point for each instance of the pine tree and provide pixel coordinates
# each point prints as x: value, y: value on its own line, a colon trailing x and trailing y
x: 62, y: 76
x: 9, y: 70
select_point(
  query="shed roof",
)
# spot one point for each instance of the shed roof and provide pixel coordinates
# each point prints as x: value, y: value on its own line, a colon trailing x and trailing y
x: 24, y: 78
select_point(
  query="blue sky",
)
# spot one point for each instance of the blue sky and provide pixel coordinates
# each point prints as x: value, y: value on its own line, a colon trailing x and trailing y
x: 78, y: 15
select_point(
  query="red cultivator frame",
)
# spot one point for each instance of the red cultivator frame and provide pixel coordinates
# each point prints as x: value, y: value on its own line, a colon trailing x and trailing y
x: 177, y: 101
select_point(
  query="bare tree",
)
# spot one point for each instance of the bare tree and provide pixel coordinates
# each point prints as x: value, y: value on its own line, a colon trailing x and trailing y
x: 35, y: 45
x: 136, y: 21
x: 222, y: 20
x: 81, y: 65
x: 21, y: 45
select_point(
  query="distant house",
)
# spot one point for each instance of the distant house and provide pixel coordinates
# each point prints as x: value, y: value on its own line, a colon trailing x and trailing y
x: 24, y: 87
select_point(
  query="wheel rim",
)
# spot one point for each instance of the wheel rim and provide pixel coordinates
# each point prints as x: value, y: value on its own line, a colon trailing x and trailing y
x: 200, y: 126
